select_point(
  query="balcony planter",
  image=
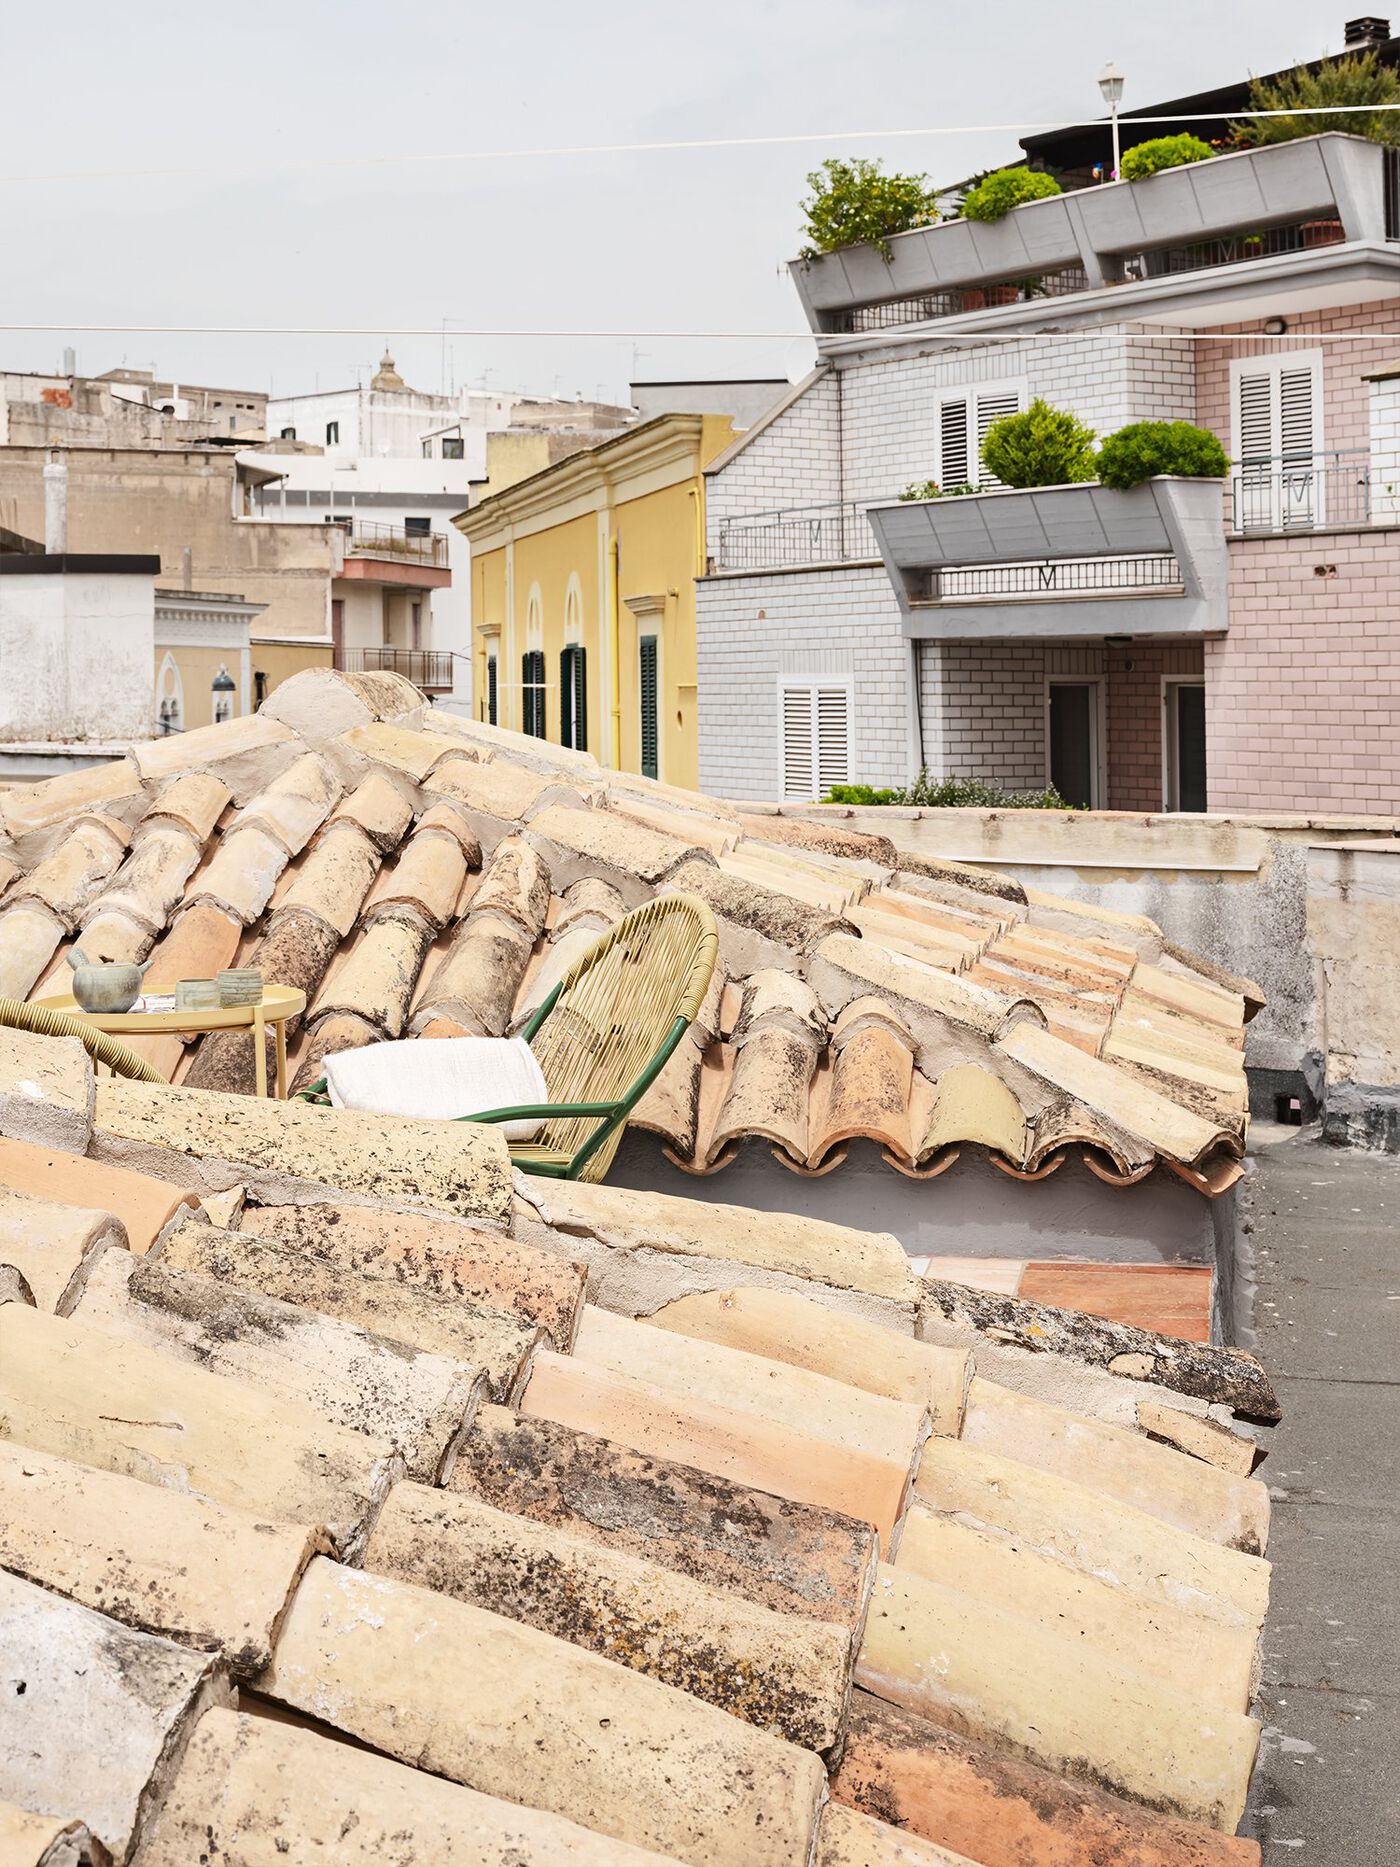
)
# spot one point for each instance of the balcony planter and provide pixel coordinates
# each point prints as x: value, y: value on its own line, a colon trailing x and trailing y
x: 1334, y: 177
x: 1166, y: 515
x: 1036, y: 238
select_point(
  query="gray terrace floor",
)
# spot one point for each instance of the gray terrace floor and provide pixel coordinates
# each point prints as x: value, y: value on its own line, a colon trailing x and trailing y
x: 1327, y: 1320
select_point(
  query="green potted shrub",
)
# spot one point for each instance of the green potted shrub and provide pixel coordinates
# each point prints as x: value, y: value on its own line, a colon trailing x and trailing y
x: 1042, y: 446
x: 1352, y: 86
x: 1162, y: 152
x: 994, y: 197
x: 1145, y: 449
x: 856, y: 203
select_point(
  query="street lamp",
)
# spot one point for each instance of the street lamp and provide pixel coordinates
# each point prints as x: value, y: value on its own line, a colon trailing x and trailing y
x: 1111, y: 84
x: 223, y: 690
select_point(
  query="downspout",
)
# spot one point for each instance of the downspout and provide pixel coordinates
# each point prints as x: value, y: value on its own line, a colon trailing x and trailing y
x: 615, y: 640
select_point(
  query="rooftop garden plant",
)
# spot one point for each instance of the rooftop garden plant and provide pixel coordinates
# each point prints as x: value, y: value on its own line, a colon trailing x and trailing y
x: 856, y: 203
x: 1145, y: 448
x: 994, y: 197
x: 1162, y: 152
x: 948, y: 794
x: 1353, y: 85
x: 1042, y: 446
x: 930, y: 489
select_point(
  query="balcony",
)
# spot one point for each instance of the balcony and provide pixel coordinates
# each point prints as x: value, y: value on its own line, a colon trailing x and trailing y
x: 1269, y: 206
x: 365, y: 539
x: 1063, y: 561
x: 795, y: 537
x: 1300, y: 493
x: 428, y: 668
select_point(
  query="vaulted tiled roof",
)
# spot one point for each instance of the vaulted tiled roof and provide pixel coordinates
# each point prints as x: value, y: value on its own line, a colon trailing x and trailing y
x: 417, y: 873
x: 366, y: 1504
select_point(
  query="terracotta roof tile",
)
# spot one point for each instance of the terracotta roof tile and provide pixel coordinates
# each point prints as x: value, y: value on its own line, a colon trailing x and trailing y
x: 450, y: 820
x: 419, y: 1403
x: 142, y: 1204
x: 515, y: 884
x: 411, y: 752
x: 52, y: 1244
x: 28, y: 1840
x: 927, y: 999
x: 377, y: 1301
x: 759, y: 927
x: 872, y: 1072
x: 479, y: 977
x: 376, y: 976
x: 827, y: 839
x: 629, y: 1756
x: 378, y: 808
x: 333, y: 880
x: 150, y: 883
x: 847, y: 1838
x: 249, y: 1782
x: 245, y: 754
x: 972, y: 1104
x: 792, y: 1558
x: 30, y: 811
x: 636, y: 860
x: 705, y: 830
x: 194, y: 800
x: 294, y: 806
x: 80, y: 1393
x: 161, y: 1561
x: 443, y: 1257
x: 1005, y: 1812
x: 75, y: 871
x: 786, y: 1675
x: 132, y: 1696
x: 492, y: 799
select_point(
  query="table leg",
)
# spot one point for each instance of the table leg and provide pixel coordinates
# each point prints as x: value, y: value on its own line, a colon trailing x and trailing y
x: 259, y: 1051
x: 280, y: 1028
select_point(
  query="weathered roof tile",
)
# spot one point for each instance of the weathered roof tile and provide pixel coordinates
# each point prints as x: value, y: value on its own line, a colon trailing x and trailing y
x: 195, y: 800
x: 244, y: 754
x: 378, y: 808
x: 427, y: 877
x: 376, y: 976
x: 294, y: 806
x: 52, y: 1244
x: 143, y: 1204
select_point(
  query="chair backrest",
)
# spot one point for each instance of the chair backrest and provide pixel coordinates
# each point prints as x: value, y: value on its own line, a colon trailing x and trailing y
x: 617, y: 1013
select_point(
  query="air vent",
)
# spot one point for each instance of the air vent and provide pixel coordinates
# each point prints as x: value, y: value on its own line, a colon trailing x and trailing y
x: 1368, y: 30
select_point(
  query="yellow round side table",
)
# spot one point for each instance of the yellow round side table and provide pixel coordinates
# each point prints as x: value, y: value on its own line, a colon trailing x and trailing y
x: 277, y: 1004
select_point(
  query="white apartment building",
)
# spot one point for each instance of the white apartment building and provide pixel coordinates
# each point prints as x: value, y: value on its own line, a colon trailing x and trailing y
x: 394, y: 465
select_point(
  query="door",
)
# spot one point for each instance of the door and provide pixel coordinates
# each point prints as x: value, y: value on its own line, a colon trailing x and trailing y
x: 1186, y: 745
x: 1277, y: 423
x: 1074, y: 741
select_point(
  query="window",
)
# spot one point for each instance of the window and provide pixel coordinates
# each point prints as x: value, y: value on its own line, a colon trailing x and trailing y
x: 1074, y: 741
x: 1277, y: 403
x: 418, y: 528
x: 332, y: 433
x: 1186, y: 745
x: 452, y: 447
x: 816, y: 733
x: 646, y: 669
x: 532, y: 693
x: 573, y: 698
x: 492, y: 708
x: 289, y: 434
x: 963, y: 421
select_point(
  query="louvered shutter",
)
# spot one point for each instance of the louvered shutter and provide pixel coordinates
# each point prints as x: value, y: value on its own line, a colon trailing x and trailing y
x: 532, y: 694
x: 1255, y: 430
x: 954, y: 467
x: 1296, y: 446
x: 799, y: 774
x: 833, y: 738
x: 647, y: 669
x: 991, y: 408
x: 491, y: 691
x: 1276, y: 444
x: 566, y: 697
x: 580, y: 696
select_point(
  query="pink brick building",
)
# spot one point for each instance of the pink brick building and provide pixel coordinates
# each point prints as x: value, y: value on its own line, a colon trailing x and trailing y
x: 1191, y: 645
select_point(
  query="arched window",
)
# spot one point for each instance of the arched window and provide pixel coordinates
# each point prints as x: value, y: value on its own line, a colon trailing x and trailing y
x: 573, y: 672
x: 170, y: 698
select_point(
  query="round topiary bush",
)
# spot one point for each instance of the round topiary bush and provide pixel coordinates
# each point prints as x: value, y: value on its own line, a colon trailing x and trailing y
x: 853, y: 203
x: 1145, y: 448
x: 1162, y: 152
x: 1042, y: 446
x: 994, y: 197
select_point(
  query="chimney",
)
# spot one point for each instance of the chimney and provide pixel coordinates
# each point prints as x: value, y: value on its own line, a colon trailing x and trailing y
x: 1366, y: 31
x: 70, y: 361
x: 55, y: 503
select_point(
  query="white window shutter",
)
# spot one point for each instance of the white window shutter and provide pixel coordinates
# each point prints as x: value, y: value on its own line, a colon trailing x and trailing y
x: 954, y: 466
x: 799, y: 775
x: 1256, y: 417
x: 991, y: 407
x: 833, y: 749
x: 1296, y: 414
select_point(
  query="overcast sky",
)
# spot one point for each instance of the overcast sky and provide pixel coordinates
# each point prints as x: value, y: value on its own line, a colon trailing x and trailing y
x: 237, y: 96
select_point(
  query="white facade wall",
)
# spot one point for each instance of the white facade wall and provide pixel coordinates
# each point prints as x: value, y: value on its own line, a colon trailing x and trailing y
x: 77, y: 650
x: 864, y: 431
x: 754, y: 631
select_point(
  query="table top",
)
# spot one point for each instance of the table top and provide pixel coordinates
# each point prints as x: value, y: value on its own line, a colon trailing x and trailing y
x: 279, y: 1002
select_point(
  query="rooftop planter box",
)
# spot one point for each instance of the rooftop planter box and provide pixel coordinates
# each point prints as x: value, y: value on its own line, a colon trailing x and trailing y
x: 1332, y: 176
x: 1167, y: 539
x: 1329, y: 177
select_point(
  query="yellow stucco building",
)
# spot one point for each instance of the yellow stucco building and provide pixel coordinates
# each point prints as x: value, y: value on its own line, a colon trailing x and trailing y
x: 583, y: 597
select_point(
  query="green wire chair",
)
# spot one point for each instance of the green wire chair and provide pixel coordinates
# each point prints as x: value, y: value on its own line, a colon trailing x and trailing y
x: 605, y: 1033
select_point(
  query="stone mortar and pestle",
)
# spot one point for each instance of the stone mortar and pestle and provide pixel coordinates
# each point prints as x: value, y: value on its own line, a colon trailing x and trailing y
x: 110, y: 988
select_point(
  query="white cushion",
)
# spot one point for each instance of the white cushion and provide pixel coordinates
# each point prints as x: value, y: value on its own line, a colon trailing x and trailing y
x: 441, y: 1078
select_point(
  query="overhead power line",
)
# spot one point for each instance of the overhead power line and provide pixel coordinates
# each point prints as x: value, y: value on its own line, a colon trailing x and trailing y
x: 272, y: 165
x: 1075, y: 333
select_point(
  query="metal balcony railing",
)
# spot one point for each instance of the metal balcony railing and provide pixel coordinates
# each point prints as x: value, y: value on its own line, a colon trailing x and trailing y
x: 1232, y: 249
x: 1299, y: 493
x: 1045, y: 579
x: 425, y: 667
x: 365, y: 538
x: 833, y: 534
x: 892, y: 312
